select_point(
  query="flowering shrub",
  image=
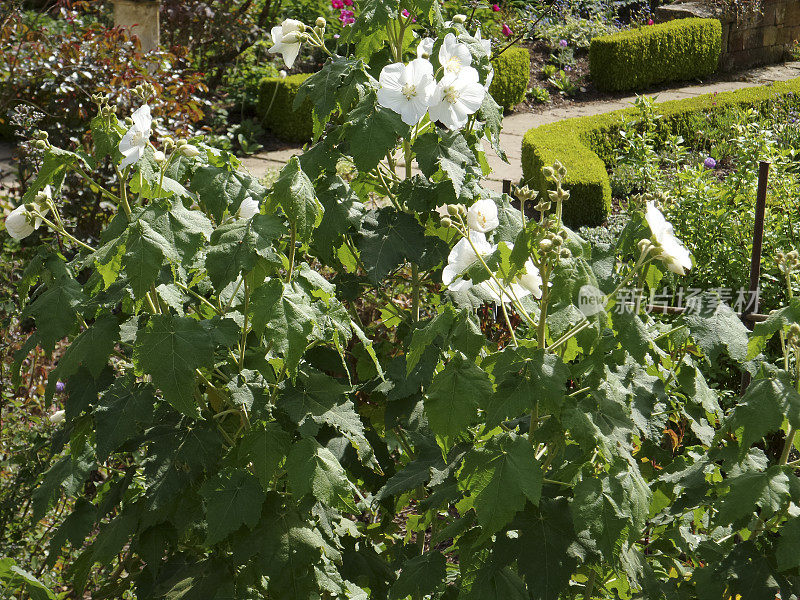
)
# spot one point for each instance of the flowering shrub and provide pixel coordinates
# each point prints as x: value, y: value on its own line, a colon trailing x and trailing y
x: 292, y: 395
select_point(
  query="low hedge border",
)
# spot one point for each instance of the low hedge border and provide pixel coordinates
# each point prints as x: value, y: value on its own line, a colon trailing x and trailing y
x: 638, y: 58
x: 512, y: 75
x: 586, y: 145
x: 277, y: 115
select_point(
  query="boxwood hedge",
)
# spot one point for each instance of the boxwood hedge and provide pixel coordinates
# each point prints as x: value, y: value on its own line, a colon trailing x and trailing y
x: 586, y: 146
x: 637, y: 58
x: 275, y: 101
x: 512, y: 74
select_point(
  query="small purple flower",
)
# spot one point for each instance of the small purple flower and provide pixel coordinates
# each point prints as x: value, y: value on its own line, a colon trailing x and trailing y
x: 710, y: 163
x: 60, y: 386
x: 563, y: 43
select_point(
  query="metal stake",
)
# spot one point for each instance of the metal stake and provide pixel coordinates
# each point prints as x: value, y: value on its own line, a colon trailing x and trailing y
x: 755, y: 259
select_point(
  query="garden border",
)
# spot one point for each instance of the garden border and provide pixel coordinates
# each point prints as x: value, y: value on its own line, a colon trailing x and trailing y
x: 585, y: 145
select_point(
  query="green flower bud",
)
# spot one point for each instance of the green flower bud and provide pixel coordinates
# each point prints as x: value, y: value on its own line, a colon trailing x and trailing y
x: 545, y: 246
x: 565, y: 254
x: 321, y: 22
x: 459, y: 18
x: 446, y: 222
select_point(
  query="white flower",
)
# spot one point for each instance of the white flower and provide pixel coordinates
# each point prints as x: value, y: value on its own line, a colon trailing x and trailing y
x: 675, y: 255
x: 57, y: 416
x: 531, y: 280
x: 20, y: 224
x: 285, y: 40
x: 482, y: 216
x: 248, y: 208
x: 453, y: 55
x: 457, y: 96
x: 486, y: 43
x: 461, y: 257
x: 135, y: 140
x: 407, y: 89
x: 425, y: 48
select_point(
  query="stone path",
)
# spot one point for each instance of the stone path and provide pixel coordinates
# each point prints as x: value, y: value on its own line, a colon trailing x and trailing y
x: 515, y: 126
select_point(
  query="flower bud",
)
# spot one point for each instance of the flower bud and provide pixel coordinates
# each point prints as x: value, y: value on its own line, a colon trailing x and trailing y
x: 189, y: 151
x: 565, y: 253
x: 460, y: 18
x: 545, y: 246
x: 452, y: 210
x: 321, y: 22
x: 283, y: 74
x: 159, y: 157
x: 57, y: 417
x: 446, y: 222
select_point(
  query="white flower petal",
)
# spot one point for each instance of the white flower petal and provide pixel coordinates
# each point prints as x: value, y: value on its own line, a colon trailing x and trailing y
x: 482, y: 216
x: 142, y: 119
x: 18, y: 225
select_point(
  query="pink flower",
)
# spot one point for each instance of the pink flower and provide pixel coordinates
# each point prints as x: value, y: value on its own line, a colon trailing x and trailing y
x: 347, y: 17
x: 496, y: 7
x: 650, y: 21
x: 348, y: 2
x: 507, y: 30
x: 338, y: 4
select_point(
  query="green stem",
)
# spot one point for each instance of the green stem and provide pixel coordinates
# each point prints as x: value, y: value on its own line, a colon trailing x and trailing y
x: 243, y: 343
x: 91, y: 181
x: 62, y: 231
x: 123, y: 191
x: 415, y: 292
x: 199, y: 297
x: 292, y: 244
x: 587, y: 591
x: 508, y: 323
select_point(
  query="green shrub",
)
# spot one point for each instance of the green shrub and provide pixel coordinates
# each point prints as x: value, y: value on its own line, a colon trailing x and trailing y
x: 243, y: 82
x: 275, y: 108
x: 673, y: 51
x: 512, y: 74
x: 586, y: 145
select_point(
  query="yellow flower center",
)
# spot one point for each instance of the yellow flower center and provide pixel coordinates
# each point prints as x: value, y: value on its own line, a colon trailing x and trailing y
x: 409, y: 91
x: 138, y: 138
x: 453, y: 64
x: 450, y: 94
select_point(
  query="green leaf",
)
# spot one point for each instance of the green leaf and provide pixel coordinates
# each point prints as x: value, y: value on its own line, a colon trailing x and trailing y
x: 762, y: 409
x: 499, y: 477
x: 264, y: 445
x: 322, y: 88
x: 389, y: 238
x: 448, y: 152
x: 768, y: 491
x: 454, y: 396
x: 169, y: 349
x: 295, y: 194
x: 220, y: 190
x: 68, y: 474
x: 788, y: 551
x: 320, y: 400
x: 56, y: 312
x: 776, y: 321
x: 313, y: 469
x: 286, y: 318
x: 420, y: 576
x: 717, y: 330
x: 369, y: 31
x: 12, y: 578
x: 237, y: 245
x: 90, y: 350
x: 233, y: 498
x: 611, y: 508
x: 372, y: 132
x: 342, y: 211
x: 124, y: 409
x: 526, y: 377
x: 549, y: 531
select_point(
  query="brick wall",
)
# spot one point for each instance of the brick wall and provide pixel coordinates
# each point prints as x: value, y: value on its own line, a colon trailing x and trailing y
x: 757, y: 40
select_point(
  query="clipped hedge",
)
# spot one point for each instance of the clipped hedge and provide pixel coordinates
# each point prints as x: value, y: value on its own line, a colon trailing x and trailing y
x: 586, y: 146
x: 638, y: 58
x: 512, y: 75
x: 277, y: 115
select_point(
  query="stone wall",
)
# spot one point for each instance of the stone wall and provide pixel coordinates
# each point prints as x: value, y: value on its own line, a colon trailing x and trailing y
x: 756, y: 40
x: 142, y: 19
